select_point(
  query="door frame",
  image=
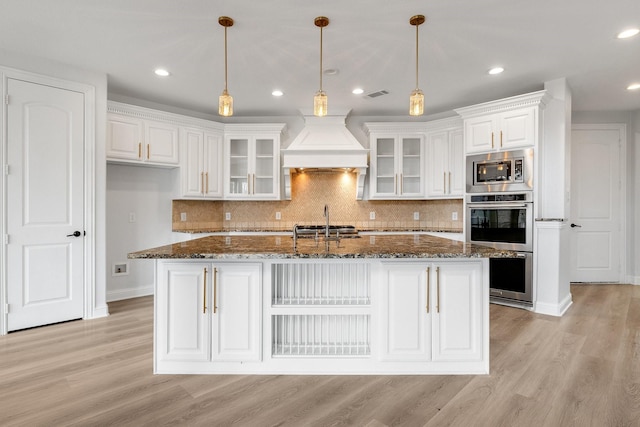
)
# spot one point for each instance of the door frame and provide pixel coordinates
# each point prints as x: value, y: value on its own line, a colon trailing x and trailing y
x: 89, y: 285
x: 622, y: 207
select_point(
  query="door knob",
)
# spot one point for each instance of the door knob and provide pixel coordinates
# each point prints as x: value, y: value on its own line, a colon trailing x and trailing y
x: 75, y: 234
x: 575, y: 225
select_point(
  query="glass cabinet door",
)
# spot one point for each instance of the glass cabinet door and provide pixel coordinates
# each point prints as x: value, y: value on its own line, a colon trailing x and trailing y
x: 263, y: 177
x: 385, y: 166
x: 411, y: 178
x: 238, y: 166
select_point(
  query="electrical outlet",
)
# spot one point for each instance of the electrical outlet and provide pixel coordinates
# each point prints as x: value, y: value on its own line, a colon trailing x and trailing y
x: 227, y: 216
x: 454, y: 216
x: 132, y: 217
x: 372, y: 215
x: 416, y: 216
x: 278, y: 216
x: 183, y: 216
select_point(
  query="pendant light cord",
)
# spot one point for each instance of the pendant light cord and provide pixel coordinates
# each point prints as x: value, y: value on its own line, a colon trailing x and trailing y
x: 417, y: 56
x: 321, y: 28
x: 225, y: 59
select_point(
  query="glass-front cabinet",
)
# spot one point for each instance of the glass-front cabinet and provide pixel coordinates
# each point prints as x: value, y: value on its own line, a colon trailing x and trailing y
x: 397, y: 166
x: 253, y: 162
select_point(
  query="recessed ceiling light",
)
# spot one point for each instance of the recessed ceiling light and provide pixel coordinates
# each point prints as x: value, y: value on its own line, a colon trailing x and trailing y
x: 357, y: 91
x: 162, y: 72
x: 628, y: 33
x: 496, y: 70
x: 277, y: 93
x: 331, y: 71
x: 634, y: 86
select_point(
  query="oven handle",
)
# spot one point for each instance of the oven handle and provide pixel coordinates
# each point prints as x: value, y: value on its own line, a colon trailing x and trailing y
x: 497, y: 205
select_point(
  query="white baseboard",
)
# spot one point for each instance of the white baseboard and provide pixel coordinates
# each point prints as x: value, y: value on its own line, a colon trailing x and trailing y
x: 554, y: 309
x: 102, y: 311
x: 121, y: 294
x: 633, y: 280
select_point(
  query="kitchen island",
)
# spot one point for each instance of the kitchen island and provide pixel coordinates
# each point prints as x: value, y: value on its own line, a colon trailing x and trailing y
x: 377, y: 304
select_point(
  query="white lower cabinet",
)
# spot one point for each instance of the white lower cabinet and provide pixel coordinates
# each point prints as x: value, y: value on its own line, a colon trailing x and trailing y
x: 206, y: 312
x: 431, y: 312
x: 367, y: 316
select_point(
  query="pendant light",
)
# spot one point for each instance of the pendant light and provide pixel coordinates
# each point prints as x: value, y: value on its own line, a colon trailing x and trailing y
x: 225, y: 102
x: 320, y: 99
x: 416, y: 100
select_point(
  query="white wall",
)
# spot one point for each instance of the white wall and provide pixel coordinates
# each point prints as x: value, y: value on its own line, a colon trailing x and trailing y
x: 146, y: 193
x: 632, y: 121
x: 99, y: 82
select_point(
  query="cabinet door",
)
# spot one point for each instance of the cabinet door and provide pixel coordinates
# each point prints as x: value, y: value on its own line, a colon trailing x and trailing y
x: 265, y: 176
x: 212, y: 166
x: 237, y: 312
x: 383, y: 165
x: 182, y: 330
x: 237, y: 181
x: 457, y: 322
x: 411, y: 167
x: 479, y: 134
x: 518, y: 128
x: 124, y: 138
x: 161, y: 143
x: 405, y: 325
x: 192, y: 172
x: 456, y: 164
x: 438, y: 162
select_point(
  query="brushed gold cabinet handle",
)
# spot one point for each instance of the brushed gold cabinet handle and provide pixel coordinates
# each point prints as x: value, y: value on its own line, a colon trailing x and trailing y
x: 206, y: 180
x: 202, y: 182
x: 449, y: 182
x: 139, y: 150
x: 148, y: 151
x: 500, y: 139
x: 491, y: 139
x: 437, y: 289
x: 204, y: 292
x: 428, y: 291
x: 444, y: 182
x: 401, y: 185
x: 215, y: 290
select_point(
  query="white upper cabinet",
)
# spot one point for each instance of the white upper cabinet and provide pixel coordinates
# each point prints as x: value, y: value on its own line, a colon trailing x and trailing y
x: 252, y: 162
x: 202, y: 163
x: 502, y: 125
x: 397, y: 161
x: 138, y: 135
x: 445, y: 161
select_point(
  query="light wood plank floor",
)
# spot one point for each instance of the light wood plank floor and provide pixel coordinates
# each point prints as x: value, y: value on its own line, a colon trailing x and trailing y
x: 579, y: 370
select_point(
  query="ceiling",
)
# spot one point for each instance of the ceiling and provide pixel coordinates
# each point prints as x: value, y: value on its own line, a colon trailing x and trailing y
x: 275, y: 45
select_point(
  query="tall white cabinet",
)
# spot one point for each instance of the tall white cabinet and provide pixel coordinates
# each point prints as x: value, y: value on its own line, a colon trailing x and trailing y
x: 445, y: 159
x: 202, y: 164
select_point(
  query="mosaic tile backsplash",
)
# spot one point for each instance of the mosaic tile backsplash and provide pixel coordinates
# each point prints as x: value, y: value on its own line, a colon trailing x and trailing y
x: 309, y: 193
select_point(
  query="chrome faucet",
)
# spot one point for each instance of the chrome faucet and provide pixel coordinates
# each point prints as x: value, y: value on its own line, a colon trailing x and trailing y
x: 326, y: 215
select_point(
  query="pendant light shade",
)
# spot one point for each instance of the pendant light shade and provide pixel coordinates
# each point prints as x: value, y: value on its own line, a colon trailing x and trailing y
x: 320, y: 98
x: 225, y: 102
x: 416, y: 100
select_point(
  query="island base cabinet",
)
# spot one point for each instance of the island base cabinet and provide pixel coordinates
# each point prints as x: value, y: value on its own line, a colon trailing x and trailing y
x: 206, y: 314
x: 432, y: 312
x: 365, y: 316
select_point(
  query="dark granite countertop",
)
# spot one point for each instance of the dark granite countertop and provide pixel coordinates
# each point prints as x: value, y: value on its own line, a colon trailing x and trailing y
x: 404, y: 246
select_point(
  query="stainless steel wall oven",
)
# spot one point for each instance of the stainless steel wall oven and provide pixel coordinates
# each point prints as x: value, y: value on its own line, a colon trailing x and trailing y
x: 505, y: 221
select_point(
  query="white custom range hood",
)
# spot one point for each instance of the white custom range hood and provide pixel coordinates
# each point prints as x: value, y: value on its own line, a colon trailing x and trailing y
x: 325, y: 143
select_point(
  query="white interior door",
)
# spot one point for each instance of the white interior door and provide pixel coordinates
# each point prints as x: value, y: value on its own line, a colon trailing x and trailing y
x: 45, y: 185
x: 595, y: 204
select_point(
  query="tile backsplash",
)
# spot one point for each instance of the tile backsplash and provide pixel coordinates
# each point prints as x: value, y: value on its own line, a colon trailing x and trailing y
x: 310, y: 191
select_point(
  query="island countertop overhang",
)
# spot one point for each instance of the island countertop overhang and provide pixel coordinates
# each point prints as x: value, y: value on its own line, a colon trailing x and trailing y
x: 402, y: 246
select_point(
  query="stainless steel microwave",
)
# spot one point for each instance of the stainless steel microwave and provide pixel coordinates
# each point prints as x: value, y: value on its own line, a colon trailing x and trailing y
x: 500, y: 172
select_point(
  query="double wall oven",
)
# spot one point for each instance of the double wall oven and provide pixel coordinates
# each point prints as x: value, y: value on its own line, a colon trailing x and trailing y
x: 501, y: 216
